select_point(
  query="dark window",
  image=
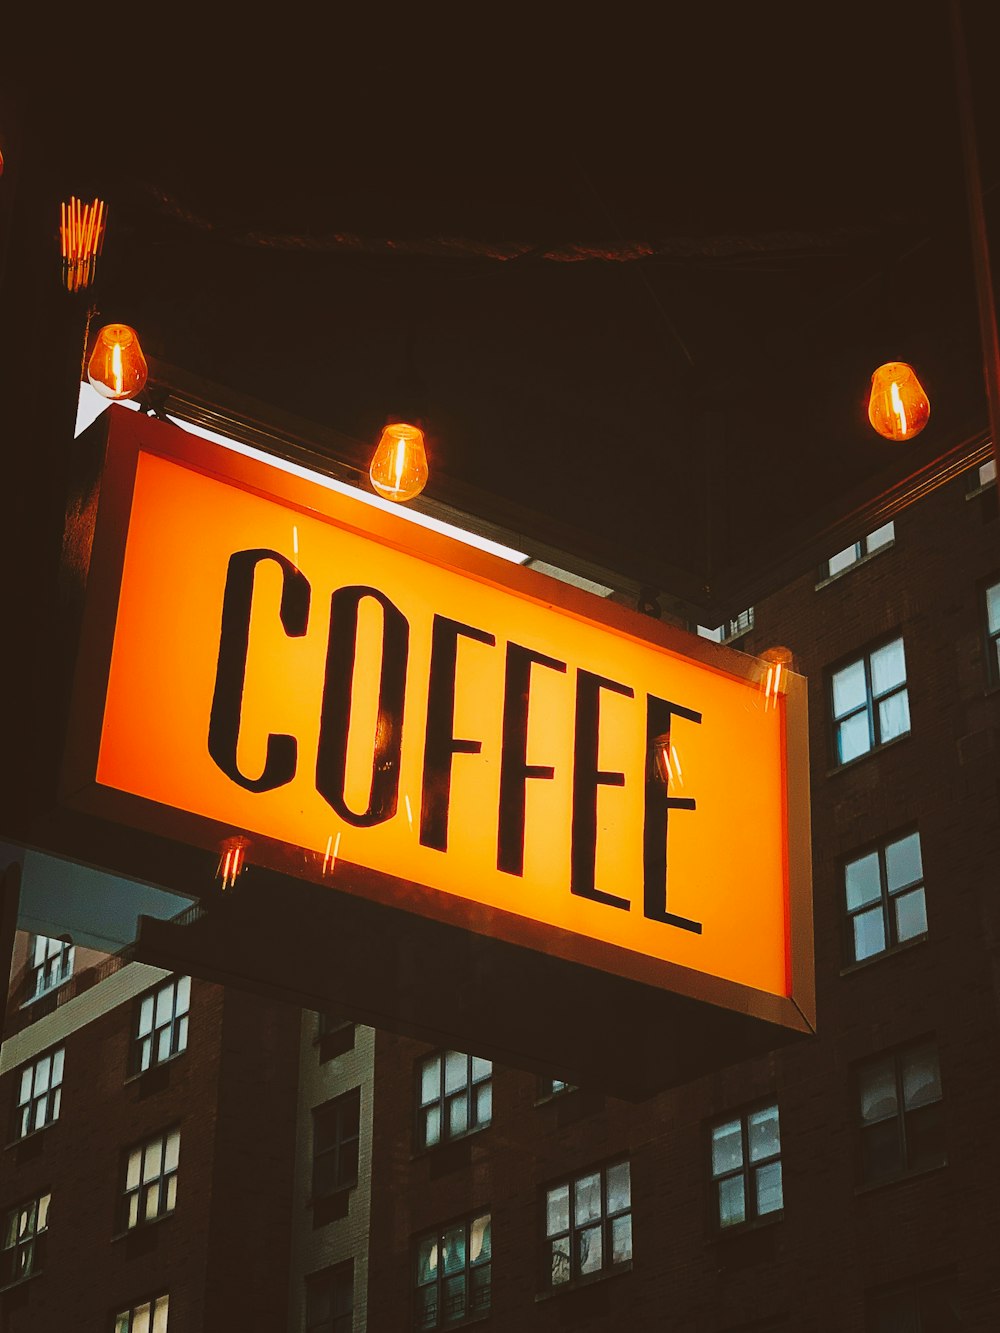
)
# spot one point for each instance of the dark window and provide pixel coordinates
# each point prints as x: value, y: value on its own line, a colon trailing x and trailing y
x: 454, y: 1274
x: 39, y: 1096
x: 330, y: 1300
x: 851, y: 555
x: 24, y: 1239
x: 161, y: 1029
x: 336, y: 1130
x: 902, y: 1115
x: 921, y: 1307
x: 746, y: 1167
x: 884, y: 898
x: 456, y: 1096
x: 151, y: 1179
x: 588, y: 1225
x: 51, y: 965
x: 146, y: 1317
x: 993, y: 632
x: 870, y: 701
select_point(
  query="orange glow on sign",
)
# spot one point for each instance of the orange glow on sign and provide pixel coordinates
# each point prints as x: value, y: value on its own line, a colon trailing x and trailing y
x: 506, y: 749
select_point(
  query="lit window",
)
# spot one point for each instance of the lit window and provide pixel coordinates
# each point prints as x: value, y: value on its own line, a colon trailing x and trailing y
x: 902, y: 1116
x: 884, y: 898
x: 454, y: 1274
x: 147, y: 1317
x: 330, y: 1300
x: 870, y: 701
x: 928, y: 1306
x: 993, y: 632
x: 151, y: 1179
x: 24, y: 1240
x: 162, y: 1024
x: 40, y: 1093
x: 51, y: 964
x: 729, y: 629
x: 336, y: 1130
x: 984, y: 475
x: 746, y: 1167
x: 588, y: 1225
x: 851, y: 555
x: 456, y: 1096
x: 549, y: 1087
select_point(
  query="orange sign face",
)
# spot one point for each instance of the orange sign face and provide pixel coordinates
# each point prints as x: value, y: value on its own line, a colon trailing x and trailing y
x: 384, y: 708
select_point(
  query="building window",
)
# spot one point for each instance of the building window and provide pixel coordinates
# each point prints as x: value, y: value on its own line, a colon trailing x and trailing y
x: 456, y: 1096
x: 330, y: 1300
x: 852, y: 555
x: 453, y: 1274
x: 588, y: 1225
x: 982, y: 476
x: 902, y: 1115
x: 729, y: 629
x: 147, y: 1317
x: 162, y: 1024
x: 550, y: 1087
x: 930, y: 1306
x: 151, y: 1179
x: 334, y: 1036
x: 884, y: 898
x: 24, y: 1240
x: 870, y: 701
x: 746, y: 1167
x: 336, y: 1130
x: 993, y: 632
x: 39, y: 1095
x: 51, y: 965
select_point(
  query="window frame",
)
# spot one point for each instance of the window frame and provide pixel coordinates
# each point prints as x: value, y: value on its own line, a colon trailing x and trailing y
x: 165, y: 1181
x: 177, y: 1025
x: 870, y: 707
x: 470, y: 1315
x: 29, y: 1243
x: 40, y: 984
x: 746, y: 1171
x: 443, y: 1100
x: 863, y: 552
x: 606, y: 1218
x: 21, y: 1128
x: 886, y: 900
x: 334, y: 1274
x: 902, y: 1117
x: 153, y: 1305
x: 338, y: 1109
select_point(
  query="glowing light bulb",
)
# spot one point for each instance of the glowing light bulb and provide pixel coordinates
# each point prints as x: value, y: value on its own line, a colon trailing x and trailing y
x: 898, y: 407
x: 774, y: 683
x: 399, y: 464
x: 117, y: 367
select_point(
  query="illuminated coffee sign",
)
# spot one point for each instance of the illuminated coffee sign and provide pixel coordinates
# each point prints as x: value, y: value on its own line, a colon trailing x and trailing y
x: 380, y: 707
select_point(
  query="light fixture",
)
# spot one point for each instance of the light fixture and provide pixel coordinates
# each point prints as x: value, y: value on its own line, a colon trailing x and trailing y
x: 399, y: 465
x: 81, y: 238
x: 232, y: 861
x: 117, y: 366
x: 898, y: 407
x: 773, y: 684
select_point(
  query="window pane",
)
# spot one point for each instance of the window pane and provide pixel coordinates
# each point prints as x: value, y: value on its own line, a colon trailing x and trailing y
x: 481, y: 1068
x: 993, y: 608
x: 911, y: 915
x: 557, y: 1211
x: 902, y: 862
x: 727, y: 1148
x: 849, y: 689
x: 182, y: 1034
x: 768, y: 1183
x: 456, y: 1071
x: 146, y: 1016
x: 881, y: 1150
x: 163, y: 1045
x: 621, y: 1239
x: 58, y: 1060
x: 427, y: 1259
x: 869, y: 934
x: 164, y: 1005
x: 480, y: 1247
x: 160, y: 1316
x: 140, y: 1319
x: 763, y: 1134
x: 25, y: 1092
x: 590, y: 1249
x: 480, y: 1284
x: 878, y: 1092
x: 921, y: 1077
x: 881, y: 537
x: 430, y: 1080
x: 484, y: 1103
x: 43, y: 1072
x: 427, y: 1307
x: 732, y: 1208
x: 173, y: 1151
x: 894, y: 716
x: 43, y: 1211
x: 619, y: 1187
x: 458, y: 1115
x: 454, y: 1298
x: 183, y: 995
x: 132, y: 1174
x: 453, y: 1250
x: 888, y: 667
x: 586, y: 1199
x: 560, y: 1261
x: 853, y: 738
x: 861, y: 880
x: 432, y: 1126
x: 843, y: 559
x: 152, y: 1158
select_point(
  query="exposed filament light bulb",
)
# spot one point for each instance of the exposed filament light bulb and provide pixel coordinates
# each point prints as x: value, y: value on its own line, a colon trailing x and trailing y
x: 898, y: 407
x: 117, y: 368
x: 399, y: 465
